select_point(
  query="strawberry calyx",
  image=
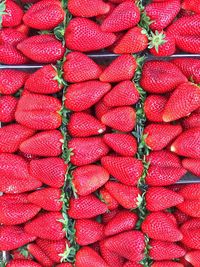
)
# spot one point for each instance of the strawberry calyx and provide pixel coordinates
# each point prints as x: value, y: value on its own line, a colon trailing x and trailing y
x: 156, y: 39
x: 2, y: 11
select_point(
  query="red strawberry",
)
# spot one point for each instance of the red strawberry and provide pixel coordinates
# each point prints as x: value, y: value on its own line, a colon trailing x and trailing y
x: 180, y: 216
x: 53, y: 249
x: 132, y: 264
x: 39, y: 112
x: 87, y: 150
x: 8, y: 106
x: 154, y: 107
x: 127, y: 170
x: 161, y: 250
x: 188, y: 44
x: 165, y: 133
x: 23, y: 29
x: 11, y: 36
x: 121, y: 69
x: 124, y: 16
x: 11, y: 81
x: 81, y: 96
x: 192, y: 165
x: 167, y: 264
x: 184, y: 100
x: 64, y: 265
x: 44, y: 15
x: 44, y: 144
x: 118, y: 1
x: 162, y: 176
x: 163, y: 158
x: 39, y: 255
x: 191, y: 224
x: 160, y: 198
x: 23, y: 263
x: 88, y: 8
x: 11, y: 136
x: 44, y: 81
x: 89, y: 178
x: 91, y: 205
x: 123, y: 221
x: 193, y: 257
x: 14, y: 198
x: 21, y: 254
x: 83, y: 125
x: 189, y: 67
x: 190, y: 207
x: 134, y: 41
x: 47, y: 225
x: 11, y: 56
x: 192, y: 121
x: 191, y: 5
x: 108, y: 216
x: 110, y: 201
x: 50, y: 171
x: 44, y: 48
x: 78, y: 67
x: 101, y: 109
x: 86, y: 256
x: 191, y: 191
x: 111, y: 258
x: 159, y: 226
x: 162, y: 14
x: 13, y: 14
x: 120, y: 118
x: 129, y: 245
x: 85, y: 35
x: 161, y: 77
x: 124, y: 144
x: 88, y: 231
x: 187, y: 143
x: 124, y: 194
x: 191, y: 238
x: 12, y: 237
x: 123, y: 94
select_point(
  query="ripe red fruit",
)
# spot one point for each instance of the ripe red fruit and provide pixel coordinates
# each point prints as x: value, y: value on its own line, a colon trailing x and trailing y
x: 13, y: 14
x: 110, y: 201
x: 8, y: 106
x: 159, y: 226
x: 167, y: 264
x: 14, y: 198
x: 180, y: 216
x: 191, y: 191
x: 164, y: 158
x: 108, y: 216
x: 132, y: 264
x: 39, y: 255
x: 192, y: 121
x: 23, y: 263
x: 125, y: 195
x: 11, y: 56
x: 11, y: 36
x: 192, y: 165
x: 121, y: 69
x: 101, y: 109
x: 85, y: 35
x: 81, y: 96
x: 111, y: 258
x: 193, y: 257
x: 89, y: 178
x: 190, y: 207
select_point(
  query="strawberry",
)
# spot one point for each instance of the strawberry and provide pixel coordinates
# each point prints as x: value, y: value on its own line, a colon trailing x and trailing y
x: 191, y: 224
x: 123, y: 221
x: 50, y: 171
x: 192, y: 121
x: 85, y: 35
x: 124, y: 194
x: 120, y: 118
x: 88, y: 231
x: 44, y: 81
x: 163, y: 158
x: 187, y: 143
x: 132, y: 264
x: 166, y: 264
x: 14, y: 198
x: 129, y: 245
x: 184, y: 100
x: 13, y: 14
x: 188, y: 44
x: 191, y: 238
x: 162, y: 14
x: 162, y: 176
x: 126, y: 15
x: 161, y: 250
x: 39, y: 112
x: 53, y: 249
x: 159, y: 226
x: 78, y: 67
x: 83, y: 125
x: 88, y: 8
x: 91, y: 205
x: 11, y: 81
x: 123, y: 94
x: 193, y: 257
x: 108, y: 216
x: 134, y: 41
x: 39, y: 255
x: 161, y: 77
x: 154, y: 107
x: 86, y: 256
x: 87, y: 150
x: 46, y: 225
x: 191, y: 5
x: 8, y: 106
x: 23, y: 29
x: 64, y: 265
x: 21, y: 254
x: 192, y: 165
x: 23, y: 263
x: 87, y: 179
x: 12, y: 237
x: 44, y: 144
x: 124, y: 144
x: 118, y: 1
x: 165, y: 133
x: 11, y: 36
x: 190, y: 207
x: 160, y: 198
x: 121, y: 69
x: 11, y: 56
x: 44, y: 15
x: 81, y: 96
x: 180, y: 216
x: 111, y: 258
x: 101, y: 109
x: 127, y: 170
x: 110, y: 201
x: 189, y: 67
x: 43, y: 48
